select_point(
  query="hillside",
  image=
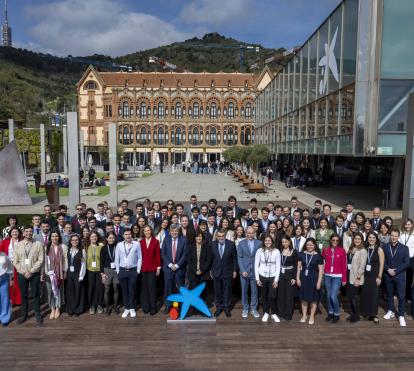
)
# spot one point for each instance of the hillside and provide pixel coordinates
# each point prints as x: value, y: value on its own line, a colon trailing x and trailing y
x: 33, y: 83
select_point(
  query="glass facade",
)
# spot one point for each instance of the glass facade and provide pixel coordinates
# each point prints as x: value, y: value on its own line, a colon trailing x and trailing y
x: 308, y: 108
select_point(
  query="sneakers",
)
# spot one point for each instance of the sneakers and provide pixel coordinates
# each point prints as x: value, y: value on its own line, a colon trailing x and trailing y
x: 401, y: 319
x: 255, y: 314
x: 390, y: 314
x: 92, y: 310
x: 265, y: 317
x: 100, y: 309
x: 133, y: 313
x: 245, y: 313
x: 125, y: 314
x: 275, y: 318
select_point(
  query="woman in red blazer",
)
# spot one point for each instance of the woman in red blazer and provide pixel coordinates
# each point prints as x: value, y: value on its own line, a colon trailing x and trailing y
x: 8, y: 246
x: 151, y: 267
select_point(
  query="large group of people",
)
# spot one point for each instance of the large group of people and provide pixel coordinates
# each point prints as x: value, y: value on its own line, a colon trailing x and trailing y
x: 114, y: 261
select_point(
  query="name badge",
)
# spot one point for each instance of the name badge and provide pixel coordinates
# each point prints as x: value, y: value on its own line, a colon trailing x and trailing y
x: 283, y: 270
x: 112, y: 265
x: 71, y: 268
x: 93, y: 264
x: 368, y: 268
x: 26, y: 261
x: 2, y: 260
x: 321, y: 246
x: 349, y: 266
x: 126, y: 262
x: 332, y: 269
x: 50, y: 273
x: 306, y: 272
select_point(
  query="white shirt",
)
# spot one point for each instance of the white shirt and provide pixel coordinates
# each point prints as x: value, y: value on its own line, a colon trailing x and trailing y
x: 82, y: 271
x: 11, y: 249
x: 408, y: 240
x: 128, y: 255
x: 267, y: 263
x: 100, y: 217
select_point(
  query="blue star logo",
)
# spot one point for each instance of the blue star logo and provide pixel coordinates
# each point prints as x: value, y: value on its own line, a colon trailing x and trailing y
x: 190, y: 297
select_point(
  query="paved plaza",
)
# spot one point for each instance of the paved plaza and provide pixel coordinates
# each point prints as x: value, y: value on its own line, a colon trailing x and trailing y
x: 180, y: 186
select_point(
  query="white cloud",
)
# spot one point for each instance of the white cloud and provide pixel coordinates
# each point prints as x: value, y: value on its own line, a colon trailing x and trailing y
x: 83, y: 27
x: 215, y: 12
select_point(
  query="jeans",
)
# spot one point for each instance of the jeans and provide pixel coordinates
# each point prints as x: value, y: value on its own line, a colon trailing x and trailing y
x: 128, y: 281
x: 333, y: 285
x: 245, y: 283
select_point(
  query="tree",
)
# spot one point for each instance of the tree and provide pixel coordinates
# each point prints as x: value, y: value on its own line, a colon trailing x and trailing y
x: 259, y: 153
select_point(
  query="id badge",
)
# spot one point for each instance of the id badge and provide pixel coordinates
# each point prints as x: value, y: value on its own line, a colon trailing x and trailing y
x: 332, y: 269
x: 368, y: 268
x: 349, y: 266
x: 2, y: 259
x: 112, y: 265
x: 306, y: 272
x: 71, y: 268
x: 26, y: 261
x: 126, y: 262
x: 93, y: 264
x: 283, y: 270
x: 320, y: 246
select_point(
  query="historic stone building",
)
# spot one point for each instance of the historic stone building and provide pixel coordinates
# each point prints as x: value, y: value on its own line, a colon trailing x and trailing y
x: 167, y: 117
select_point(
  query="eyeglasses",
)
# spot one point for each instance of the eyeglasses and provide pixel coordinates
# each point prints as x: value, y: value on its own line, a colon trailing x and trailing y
x: 335, y: 240
x: 79, y: 208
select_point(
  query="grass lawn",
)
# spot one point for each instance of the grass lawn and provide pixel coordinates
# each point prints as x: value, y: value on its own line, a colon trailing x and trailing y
x: 63, y: 192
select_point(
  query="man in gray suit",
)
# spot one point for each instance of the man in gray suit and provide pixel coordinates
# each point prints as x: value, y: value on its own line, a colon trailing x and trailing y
x: 44, y: 236
x: 246, y: 253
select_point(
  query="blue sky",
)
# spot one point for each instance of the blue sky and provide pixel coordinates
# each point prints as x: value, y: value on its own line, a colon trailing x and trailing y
x: 117, y: 27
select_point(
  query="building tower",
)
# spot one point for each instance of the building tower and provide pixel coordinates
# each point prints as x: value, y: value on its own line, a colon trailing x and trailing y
x: 6, y: 30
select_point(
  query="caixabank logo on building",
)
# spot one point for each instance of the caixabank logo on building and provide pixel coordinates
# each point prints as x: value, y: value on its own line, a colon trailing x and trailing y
x: 328, y: 63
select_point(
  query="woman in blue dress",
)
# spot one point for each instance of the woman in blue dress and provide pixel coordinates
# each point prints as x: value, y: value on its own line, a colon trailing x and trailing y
x: 309, y: 278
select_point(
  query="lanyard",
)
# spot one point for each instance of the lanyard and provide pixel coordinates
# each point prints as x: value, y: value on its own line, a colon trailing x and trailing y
x: 370, y: 255
x: 284, y: 258
x: 306, y: 259
x: 109, y: 253
x: 94, y: 253
x: 72, y: 256
x: 407, y: 239
x: 25, y: 251
x: 127, y: 253
x: 395, y: 251
x: 350, y: 257
x: 267, y: 257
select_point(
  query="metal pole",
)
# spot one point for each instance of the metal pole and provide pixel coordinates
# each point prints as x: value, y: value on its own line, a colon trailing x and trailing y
x: 73, y: 160
x: 42, y: 154
x: 113, y: 180
x: 11, y: 130
x: 65, y: 149
x: 408, y: 195
x: 82, y: 157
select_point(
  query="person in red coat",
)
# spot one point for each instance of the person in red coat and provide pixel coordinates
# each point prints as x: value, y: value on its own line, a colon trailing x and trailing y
x: 151, y: 267
x: 7, y: 246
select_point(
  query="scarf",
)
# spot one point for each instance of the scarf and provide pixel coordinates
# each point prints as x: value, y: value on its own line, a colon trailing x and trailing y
x: 56, y: 265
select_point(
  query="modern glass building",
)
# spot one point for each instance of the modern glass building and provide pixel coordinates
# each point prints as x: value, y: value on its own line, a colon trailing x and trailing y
x: 344, y: 95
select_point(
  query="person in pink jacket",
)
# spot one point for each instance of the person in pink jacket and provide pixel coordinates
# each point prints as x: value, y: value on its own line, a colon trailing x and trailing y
x: 335, y: 274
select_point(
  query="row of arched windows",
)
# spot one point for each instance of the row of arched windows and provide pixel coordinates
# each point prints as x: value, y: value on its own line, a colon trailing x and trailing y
x: 178, y: 111
x: 196, y: 136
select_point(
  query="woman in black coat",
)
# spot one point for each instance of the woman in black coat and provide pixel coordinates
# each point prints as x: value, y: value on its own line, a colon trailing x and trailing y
x: 199, y: 259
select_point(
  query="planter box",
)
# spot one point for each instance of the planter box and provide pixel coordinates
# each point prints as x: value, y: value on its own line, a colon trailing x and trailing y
x: 256, y: 188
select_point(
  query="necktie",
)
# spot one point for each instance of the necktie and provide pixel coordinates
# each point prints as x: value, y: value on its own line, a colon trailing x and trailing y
x: 195, y: 224
x: 340, y: 232
x: 221, y: 250
x: 117, y: 230
x: 174, y: 249
x: 45, y: 239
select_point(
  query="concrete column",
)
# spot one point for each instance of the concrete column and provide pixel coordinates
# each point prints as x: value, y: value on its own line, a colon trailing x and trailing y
x: 73, y: 160
x: 42, y: 154
x: 11, y: 130
x: 408, y: 196
x: 65, y: 149
x: 113, y: 180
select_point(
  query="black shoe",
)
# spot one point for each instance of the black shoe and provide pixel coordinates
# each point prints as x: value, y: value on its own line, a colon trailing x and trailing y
x: 116, y: 310
x: 329, y: 318
x: 218, y: 312
x: 354, y: 319
x: 153, y: 313
x: 21, y: 320
x: 227, y: 312
x: 5, y: 324
x: 166, y: 310
x: 335, y: 319
x: 108, y: 311
x: 348, y: 318
x: 39, y: 319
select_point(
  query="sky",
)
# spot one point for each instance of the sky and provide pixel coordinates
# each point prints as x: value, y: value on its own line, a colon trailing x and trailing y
x: 119, y: 27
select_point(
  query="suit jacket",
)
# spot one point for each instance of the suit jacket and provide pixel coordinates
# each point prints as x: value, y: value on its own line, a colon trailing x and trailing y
x: 246, y: 258
x: 39, y: 238
x: 205, y: 261
x: 120, y: 235
x: 331, y: 221
x: 151, y: 255
x: 191, y: 224
x: 154, y: 224
x: 336, y: 231
x: 223, y: 267
x: 180, y: 256
x: 75, y: 224
x: 400, y: 261
x: 376, y: 223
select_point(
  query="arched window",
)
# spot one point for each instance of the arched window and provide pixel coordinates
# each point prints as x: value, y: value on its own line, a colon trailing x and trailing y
x: 90, y: 85
x: 161, y: 136
x: 196, y: 110
x: 211, y: 137
x: 230, y: 137
x: 248, y: 137
x: 213, y: 110
x: 143, y: 135
x: 248, y: 110
x: 143, y: 110
x: 161, y: 110
x: 230, y: 110
x: 127, y: 135
x: 125, y: 110
x: 178, y: 111
x: 177, y: 137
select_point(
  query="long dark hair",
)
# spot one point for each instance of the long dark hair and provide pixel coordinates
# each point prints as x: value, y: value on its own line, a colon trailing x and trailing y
x: 110, y: 234
x: 50, y: 241
x: 377, y: 241
x: 287, y: 238
x: 311, y: 239
x: 80, y: 247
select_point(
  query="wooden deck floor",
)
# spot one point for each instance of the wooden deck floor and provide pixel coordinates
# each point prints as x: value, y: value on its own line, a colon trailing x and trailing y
x: 111, y: 343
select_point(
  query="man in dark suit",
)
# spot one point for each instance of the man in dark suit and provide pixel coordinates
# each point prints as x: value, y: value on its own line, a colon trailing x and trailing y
x: 294, y: 206
x: 223, y: 271
x: 193, y: 203
x: 75, y: 220
x: 194, y: 219
x: 118, y: 229
x: 232, y: 204
x: 397, y: 260
x: 376, y: 220
x: 340, y: 229
x: 316, y: 217
x: 152, y: 221
x: 211, y: 225
x: 174, y: 255
x: 326, y: 213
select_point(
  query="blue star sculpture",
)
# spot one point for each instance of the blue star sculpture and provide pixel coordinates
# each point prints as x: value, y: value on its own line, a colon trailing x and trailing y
x: 190, y: 297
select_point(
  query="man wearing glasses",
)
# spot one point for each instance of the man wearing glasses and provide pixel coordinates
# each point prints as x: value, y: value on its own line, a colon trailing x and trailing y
x: 75, y: 220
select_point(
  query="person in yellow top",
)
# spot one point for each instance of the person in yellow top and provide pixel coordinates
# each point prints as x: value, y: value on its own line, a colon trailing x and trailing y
x: 93, y: 267
x: 28, y: 260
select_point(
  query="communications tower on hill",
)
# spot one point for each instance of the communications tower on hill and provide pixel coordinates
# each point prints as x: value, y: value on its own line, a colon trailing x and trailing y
x: 5, y: 29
